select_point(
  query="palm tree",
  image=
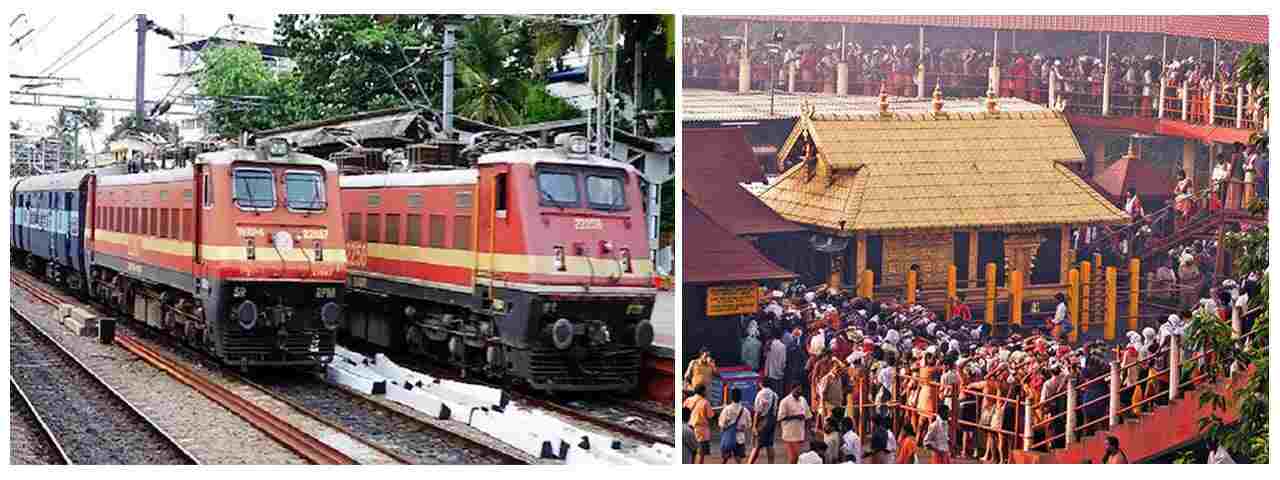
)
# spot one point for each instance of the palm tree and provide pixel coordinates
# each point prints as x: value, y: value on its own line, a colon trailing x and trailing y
x: 492, y: 89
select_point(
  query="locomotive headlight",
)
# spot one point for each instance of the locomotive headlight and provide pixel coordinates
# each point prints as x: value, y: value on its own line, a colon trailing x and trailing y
x: 626, y: 260
x: 558, y: 259
x: 246, y: 314
x: 562, y: 333
x: 606, y: 246
x: 600, y: 335
x: 283, y: 240
x: 319, y: 252
x: 330, y: 315
x: 250, y: 250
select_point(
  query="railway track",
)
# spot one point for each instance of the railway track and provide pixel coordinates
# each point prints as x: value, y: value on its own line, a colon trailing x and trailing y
x: 31, y: 441
x: 391, y: 434
x: 89, y: 421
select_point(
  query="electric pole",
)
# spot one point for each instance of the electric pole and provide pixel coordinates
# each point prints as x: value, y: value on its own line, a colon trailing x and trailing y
x: 447, y: 108
x: 139, y: 102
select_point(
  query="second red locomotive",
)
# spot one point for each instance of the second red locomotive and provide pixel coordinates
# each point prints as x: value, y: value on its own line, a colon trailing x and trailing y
x: 532, y: 266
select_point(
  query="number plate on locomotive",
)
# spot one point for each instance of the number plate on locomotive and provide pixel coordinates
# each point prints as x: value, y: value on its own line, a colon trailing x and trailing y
x: 326, y: 292
x: 588, y: 224
x: 635, y: 309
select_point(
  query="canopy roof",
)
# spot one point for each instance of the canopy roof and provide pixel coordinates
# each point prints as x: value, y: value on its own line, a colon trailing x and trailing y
x: 1238, y: 28
x: 951, y: 171
x: 1129, y: 171
x: 719, y: 106
x: 714, y: 162
x: 714, y: 255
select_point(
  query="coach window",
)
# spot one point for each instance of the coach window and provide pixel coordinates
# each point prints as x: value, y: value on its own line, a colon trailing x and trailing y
x: 353, y: 226
x: 145, y: 228
x: 462, y: 232
x: 606, y: 192
x: 393, y: 228
x: 164, y: 223
x: 155, y: 223
x: 304, y: 190
x: 556, y: 188
x: 436, y: 231
x: 374, y: 224
x: 253, y: 189
x: 173, y: 223
x: 413, y: 230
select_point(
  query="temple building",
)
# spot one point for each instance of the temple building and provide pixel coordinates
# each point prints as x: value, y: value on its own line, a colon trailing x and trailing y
x: 892, y: 188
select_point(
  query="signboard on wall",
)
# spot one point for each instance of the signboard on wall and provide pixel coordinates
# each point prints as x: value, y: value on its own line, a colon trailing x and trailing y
x: 931, y: 251
x: 740, y: 299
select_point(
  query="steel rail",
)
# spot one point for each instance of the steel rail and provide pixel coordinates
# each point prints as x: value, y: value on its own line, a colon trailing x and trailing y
x: 114, y: 393
x: 305, y: 445
x: 44, y: 427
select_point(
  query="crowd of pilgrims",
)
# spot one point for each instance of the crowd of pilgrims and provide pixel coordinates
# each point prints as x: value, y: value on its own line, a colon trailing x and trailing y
x: 963, y: 71
x: 821, y: 352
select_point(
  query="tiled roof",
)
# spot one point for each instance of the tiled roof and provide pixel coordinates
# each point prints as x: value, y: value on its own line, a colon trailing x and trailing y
x: 914, y: 171
x: 1239, y: 28
x: 714, y: 162
x: 698, y: 105
x: 714, y: 255
x: 1129, y: 171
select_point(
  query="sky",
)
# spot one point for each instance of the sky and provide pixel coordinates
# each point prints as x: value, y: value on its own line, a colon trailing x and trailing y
x: 108, y: 69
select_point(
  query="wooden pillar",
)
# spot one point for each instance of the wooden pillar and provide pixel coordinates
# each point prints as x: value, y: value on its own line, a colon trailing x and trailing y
x: 837, y: 267
x: 1163, y: 92
x: 1073, y: 299
x: 861, y: 255
x: 991, y: 294
x: 1184, y: 94
x: 1135, y: 284
x: 868, y: 283
x: 1099, y: 155
x: 1015, y: 297
x: 1109, y: 331
x: 920, y: 71
x: 1053, y: 89
x: 912, y: 279
x: 1239, y: 107
x: 1097, y: 262
x: 791, y: 77
x: 1213, y: 101
x: 973, y: 259
x: 951, y: 289
x: 1086, y: 284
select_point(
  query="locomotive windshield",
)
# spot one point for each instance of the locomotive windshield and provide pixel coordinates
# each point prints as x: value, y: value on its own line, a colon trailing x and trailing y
x: 558, y: 188
x: 605, y: 192
x: 254, y: 189
x: 304, y: 190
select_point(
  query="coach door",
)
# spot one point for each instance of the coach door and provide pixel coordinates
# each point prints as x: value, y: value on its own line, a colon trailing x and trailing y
x: 203, y: 199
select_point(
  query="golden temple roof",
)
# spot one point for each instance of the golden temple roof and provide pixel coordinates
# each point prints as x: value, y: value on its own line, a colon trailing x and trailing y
x: 904, y: 171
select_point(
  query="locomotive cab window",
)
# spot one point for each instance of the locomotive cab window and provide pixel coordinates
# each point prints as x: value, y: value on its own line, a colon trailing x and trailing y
x: 253, y: 189
x: 606, y: 192
x: 558, y: 188
x: 304, y: 190
x: 500, y: 195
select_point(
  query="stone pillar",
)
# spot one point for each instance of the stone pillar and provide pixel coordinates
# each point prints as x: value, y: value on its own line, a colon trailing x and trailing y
x: 1239, y: 107
x: 1160, y: 107
x: 1113, y: 411
x: 1106, y: 81
x: 1026, y: 424
x: 1189, y: 160
x: 1071, y: 410
x: 1184, y: 93
x: 1175, y: 367
x: 744, y: 75
x: 791, y: 77
x: 842, y: 78
x: 1099, y: 157
x: 1053, y: 89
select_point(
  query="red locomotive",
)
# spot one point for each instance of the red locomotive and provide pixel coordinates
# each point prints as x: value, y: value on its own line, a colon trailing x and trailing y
x: 240, y: 253
x: 532, y: 266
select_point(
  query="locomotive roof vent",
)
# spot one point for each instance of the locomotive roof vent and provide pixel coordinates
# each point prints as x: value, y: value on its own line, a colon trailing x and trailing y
x: 572, y: 145
x: 274, y: 148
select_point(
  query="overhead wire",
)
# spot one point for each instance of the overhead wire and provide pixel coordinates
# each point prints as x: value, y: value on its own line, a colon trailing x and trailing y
x: 91, y: 47
x: 78, y: 43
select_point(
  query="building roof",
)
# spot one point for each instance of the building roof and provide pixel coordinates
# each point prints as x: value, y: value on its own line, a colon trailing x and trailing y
x: 714, y: 255
x: 1239, y: 28
x: 698, y: 105
x: 715, y: 161
x: 915, y: 171
x: 1130, y: 171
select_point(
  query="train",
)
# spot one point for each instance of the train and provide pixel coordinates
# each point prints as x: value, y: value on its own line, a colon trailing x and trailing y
x: 239, y: 253
x: 532, y: 267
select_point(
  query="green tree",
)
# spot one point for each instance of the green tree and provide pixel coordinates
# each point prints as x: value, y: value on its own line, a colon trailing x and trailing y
x: 353, y: 63
x: 1252, y: 70
x: 540, y: 106
x: 1248, y: 437
x: 246, y: 94
x: 492, y: 88
x: 167, y: 130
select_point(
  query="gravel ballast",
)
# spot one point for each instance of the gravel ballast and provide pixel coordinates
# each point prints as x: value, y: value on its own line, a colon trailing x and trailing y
x: 28, y: 442
x: 94, y: 426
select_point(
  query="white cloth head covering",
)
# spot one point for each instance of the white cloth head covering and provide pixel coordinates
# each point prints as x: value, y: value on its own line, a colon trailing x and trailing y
x: 809, y: 296
x: 891, y: 337
x: 1148, y: 337
x: 1135, y: 339
x: 953, y: 345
